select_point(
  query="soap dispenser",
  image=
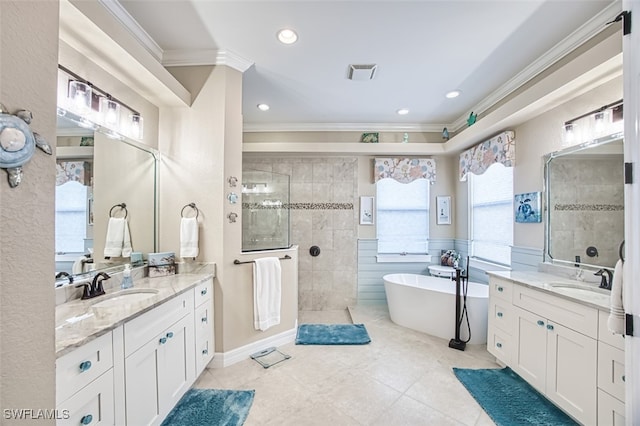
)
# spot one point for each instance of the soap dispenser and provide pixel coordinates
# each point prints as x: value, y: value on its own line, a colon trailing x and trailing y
x: 127, y: 281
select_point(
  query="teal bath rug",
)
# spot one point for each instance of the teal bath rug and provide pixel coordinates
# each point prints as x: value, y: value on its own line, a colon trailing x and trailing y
x: 509, y: 400
x: 332, y: 334
x: 211, y: 407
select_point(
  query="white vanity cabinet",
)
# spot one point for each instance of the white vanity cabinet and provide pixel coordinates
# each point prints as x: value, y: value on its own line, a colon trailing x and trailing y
x: 159, y: 360
x: 611, y: 375
x: 559, y: 346
x: 203, y: 318
x: 84, y: 384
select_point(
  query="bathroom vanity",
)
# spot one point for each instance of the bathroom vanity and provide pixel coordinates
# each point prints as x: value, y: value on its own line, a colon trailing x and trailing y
x: 126, y: 358
x: 553, y: 332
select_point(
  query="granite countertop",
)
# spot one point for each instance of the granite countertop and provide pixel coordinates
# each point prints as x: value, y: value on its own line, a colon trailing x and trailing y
x: 78, y: 321
x: 595, y: 297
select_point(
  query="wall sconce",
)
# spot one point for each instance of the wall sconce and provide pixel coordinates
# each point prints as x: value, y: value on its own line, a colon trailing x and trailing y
x: 137, y: 126
x: 110, y: 112
x: 79, y: 96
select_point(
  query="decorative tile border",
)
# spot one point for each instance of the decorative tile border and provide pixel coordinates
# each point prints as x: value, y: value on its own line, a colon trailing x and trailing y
x: 589, y: 207
x: 299, y: 206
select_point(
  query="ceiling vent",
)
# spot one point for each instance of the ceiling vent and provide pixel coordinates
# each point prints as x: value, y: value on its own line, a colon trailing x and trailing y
x: 362, y: 72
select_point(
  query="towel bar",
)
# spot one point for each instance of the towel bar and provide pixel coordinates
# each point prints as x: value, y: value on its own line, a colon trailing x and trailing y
x: 237, y: 262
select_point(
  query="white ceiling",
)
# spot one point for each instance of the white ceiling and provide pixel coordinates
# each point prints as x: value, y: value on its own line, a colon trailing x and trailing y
x: 422, y: 49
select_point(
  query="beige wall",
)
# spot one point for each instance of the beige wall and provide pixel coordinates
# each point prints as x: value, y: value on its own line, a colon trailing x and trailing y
x: 28, y: 62
x: 535, y: 138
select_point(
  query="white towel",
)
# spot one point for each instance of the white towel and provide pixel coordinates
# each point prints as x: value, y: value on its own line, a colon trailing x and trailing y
x: 78, y: 265
x: 118, y: 241
x: 266, y: 292
x: 189, y: 237
x: 616, y: 322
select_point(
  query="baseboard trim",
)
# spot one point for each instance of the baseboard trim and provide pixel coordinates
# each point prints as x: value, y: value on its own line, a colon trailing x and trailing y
x: 225, y: 359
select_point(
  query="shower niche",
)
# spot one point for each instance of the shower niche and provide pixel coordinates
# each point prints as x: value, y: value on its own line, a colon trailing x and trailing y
x: 265, y: 211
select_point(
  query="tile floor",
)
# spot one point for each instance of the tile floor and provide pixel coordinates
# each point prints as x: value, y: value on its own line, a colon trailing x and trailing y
x: 401, y: 378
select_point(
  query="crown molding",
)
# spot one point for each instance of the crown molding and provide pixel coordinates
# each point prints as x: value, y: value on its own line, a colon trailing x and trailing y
x: 179, y: 58
x: 127, y: 21
x: 341, y: 127
x: 560, y: 50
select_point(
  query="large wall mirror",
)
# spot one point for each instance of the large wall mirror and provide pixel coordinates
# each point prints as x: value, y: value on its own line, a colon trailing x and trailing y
x: 97, y: 170
x: 585, y: 203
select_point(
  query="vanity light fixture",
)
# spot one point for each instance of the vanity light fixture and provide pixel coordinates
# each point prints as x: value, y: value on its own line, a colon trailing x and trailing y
x: 453, y: 94
x: 594, y: 124
x: 95, y: 106
x: 263, y: 107
x: 287, y: 36
x: 402, y: 111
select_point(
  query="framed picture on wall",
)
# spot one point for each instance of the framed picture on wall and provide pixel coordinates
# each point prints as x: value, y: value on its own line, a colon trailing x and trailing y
x: 527, y: 207
x: 366, y: 210
x: 443, y: 210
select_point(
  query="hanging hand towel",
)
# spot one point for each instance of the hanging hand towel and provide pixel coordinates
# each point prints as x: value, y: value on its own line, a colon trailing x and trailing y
x: 266, y: 292
x: 118, y: 241
x: 616, y: 315
x: 189, y: 237
x: 78, y: 265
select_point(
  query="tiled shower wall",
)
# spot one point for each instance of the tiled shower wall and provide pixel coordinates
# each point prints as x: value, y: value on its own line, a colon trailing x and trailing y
x: 324, y: 193
x: 587, y: 209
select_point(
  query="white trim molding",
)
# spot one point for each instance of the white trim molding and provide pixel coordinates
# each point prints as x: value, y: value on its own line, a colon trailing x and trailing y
x: 178, y: 58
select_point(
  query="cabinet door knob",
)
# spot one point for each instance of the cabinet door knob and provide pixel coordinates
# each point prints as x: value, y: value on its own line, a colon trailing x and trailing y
x: 85, y: 420
x: 163, y: 340
x: 205, y: 351
x: 203, y: 291
x: 170, y: 335
x: 204, y: 319
x: 623, y: 378
x: 540, y: 322
x: 500, y: 289
x: 549, y: 327
x: 85, y: 365
x: 499, y: 345
x: 499, y: 314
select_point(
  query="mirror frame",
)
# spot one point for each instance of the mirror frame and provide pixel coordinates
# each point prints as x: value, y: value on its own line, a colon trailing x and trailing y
x: 548, y: 258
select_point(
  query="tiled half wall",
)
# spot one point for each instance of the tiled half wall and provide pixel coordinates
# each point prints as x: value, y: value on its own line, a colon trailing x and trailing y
x: 324, y: 214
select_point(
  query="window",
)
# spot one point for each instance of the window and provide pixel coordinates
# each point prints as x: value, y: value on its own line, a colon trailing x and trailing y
x: 491, y: 205
x: 402, y: 216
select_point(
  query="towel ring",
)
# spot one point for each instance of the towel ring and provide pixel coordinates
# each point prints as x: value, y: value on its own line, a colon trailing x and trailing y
x: 123, y: 206
x: 621, y: 251
x: 193, y: 206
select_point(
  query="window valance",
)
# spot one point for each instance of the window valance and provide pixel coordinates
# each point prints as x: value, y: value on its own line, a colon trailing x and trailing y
x: 73, y: 171
x: 499, y: 149
x: 405, y: 170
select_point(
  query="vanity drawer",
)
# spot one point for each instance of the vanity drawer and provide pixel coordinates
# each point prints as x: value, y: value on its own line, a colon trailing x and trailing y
x: 93, y: 406
x: 611, y: 375
x: 499, y: 344
x: 204, y: 352
x: 138, y: 331
x: 604, y: 335
x: 611, y: 412
x: 501, y: 289
x: 203, y: 319
x: 575, y: 316
x: 77, y: 369
x: 501, y: 315
x: 203, y: 292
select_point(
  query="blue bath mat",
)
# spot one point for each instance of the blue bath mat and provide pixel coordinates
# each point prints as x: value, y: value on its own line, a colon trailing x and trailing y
x: 509, y: 400
x: 211, y: 407
x: 332, y: 334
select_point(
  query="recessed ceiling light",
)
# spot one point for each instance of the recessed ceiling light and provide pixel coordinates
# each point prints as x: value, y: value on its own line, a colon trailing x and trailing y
x: 403, y: 111
x: 263, y: 107
x: 453, y: 94
x: 287, y: 36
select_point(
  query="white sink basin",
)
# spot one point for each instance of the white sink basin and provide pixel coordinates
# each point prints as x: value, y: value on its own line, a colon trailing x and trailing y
x: 579, y: 290
x: 124, y: 297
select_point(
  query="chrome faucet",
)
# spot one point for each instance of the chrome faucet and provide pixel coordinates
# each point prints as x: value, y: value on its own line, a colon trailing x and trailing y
x: 64, y: 274
x: 604, y: 283
x: 95, y: 288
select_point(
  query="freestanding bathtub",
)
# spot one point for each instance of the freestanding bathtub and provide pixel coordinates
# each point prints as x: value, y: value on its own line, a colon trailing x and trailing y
x: 428, y: 304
